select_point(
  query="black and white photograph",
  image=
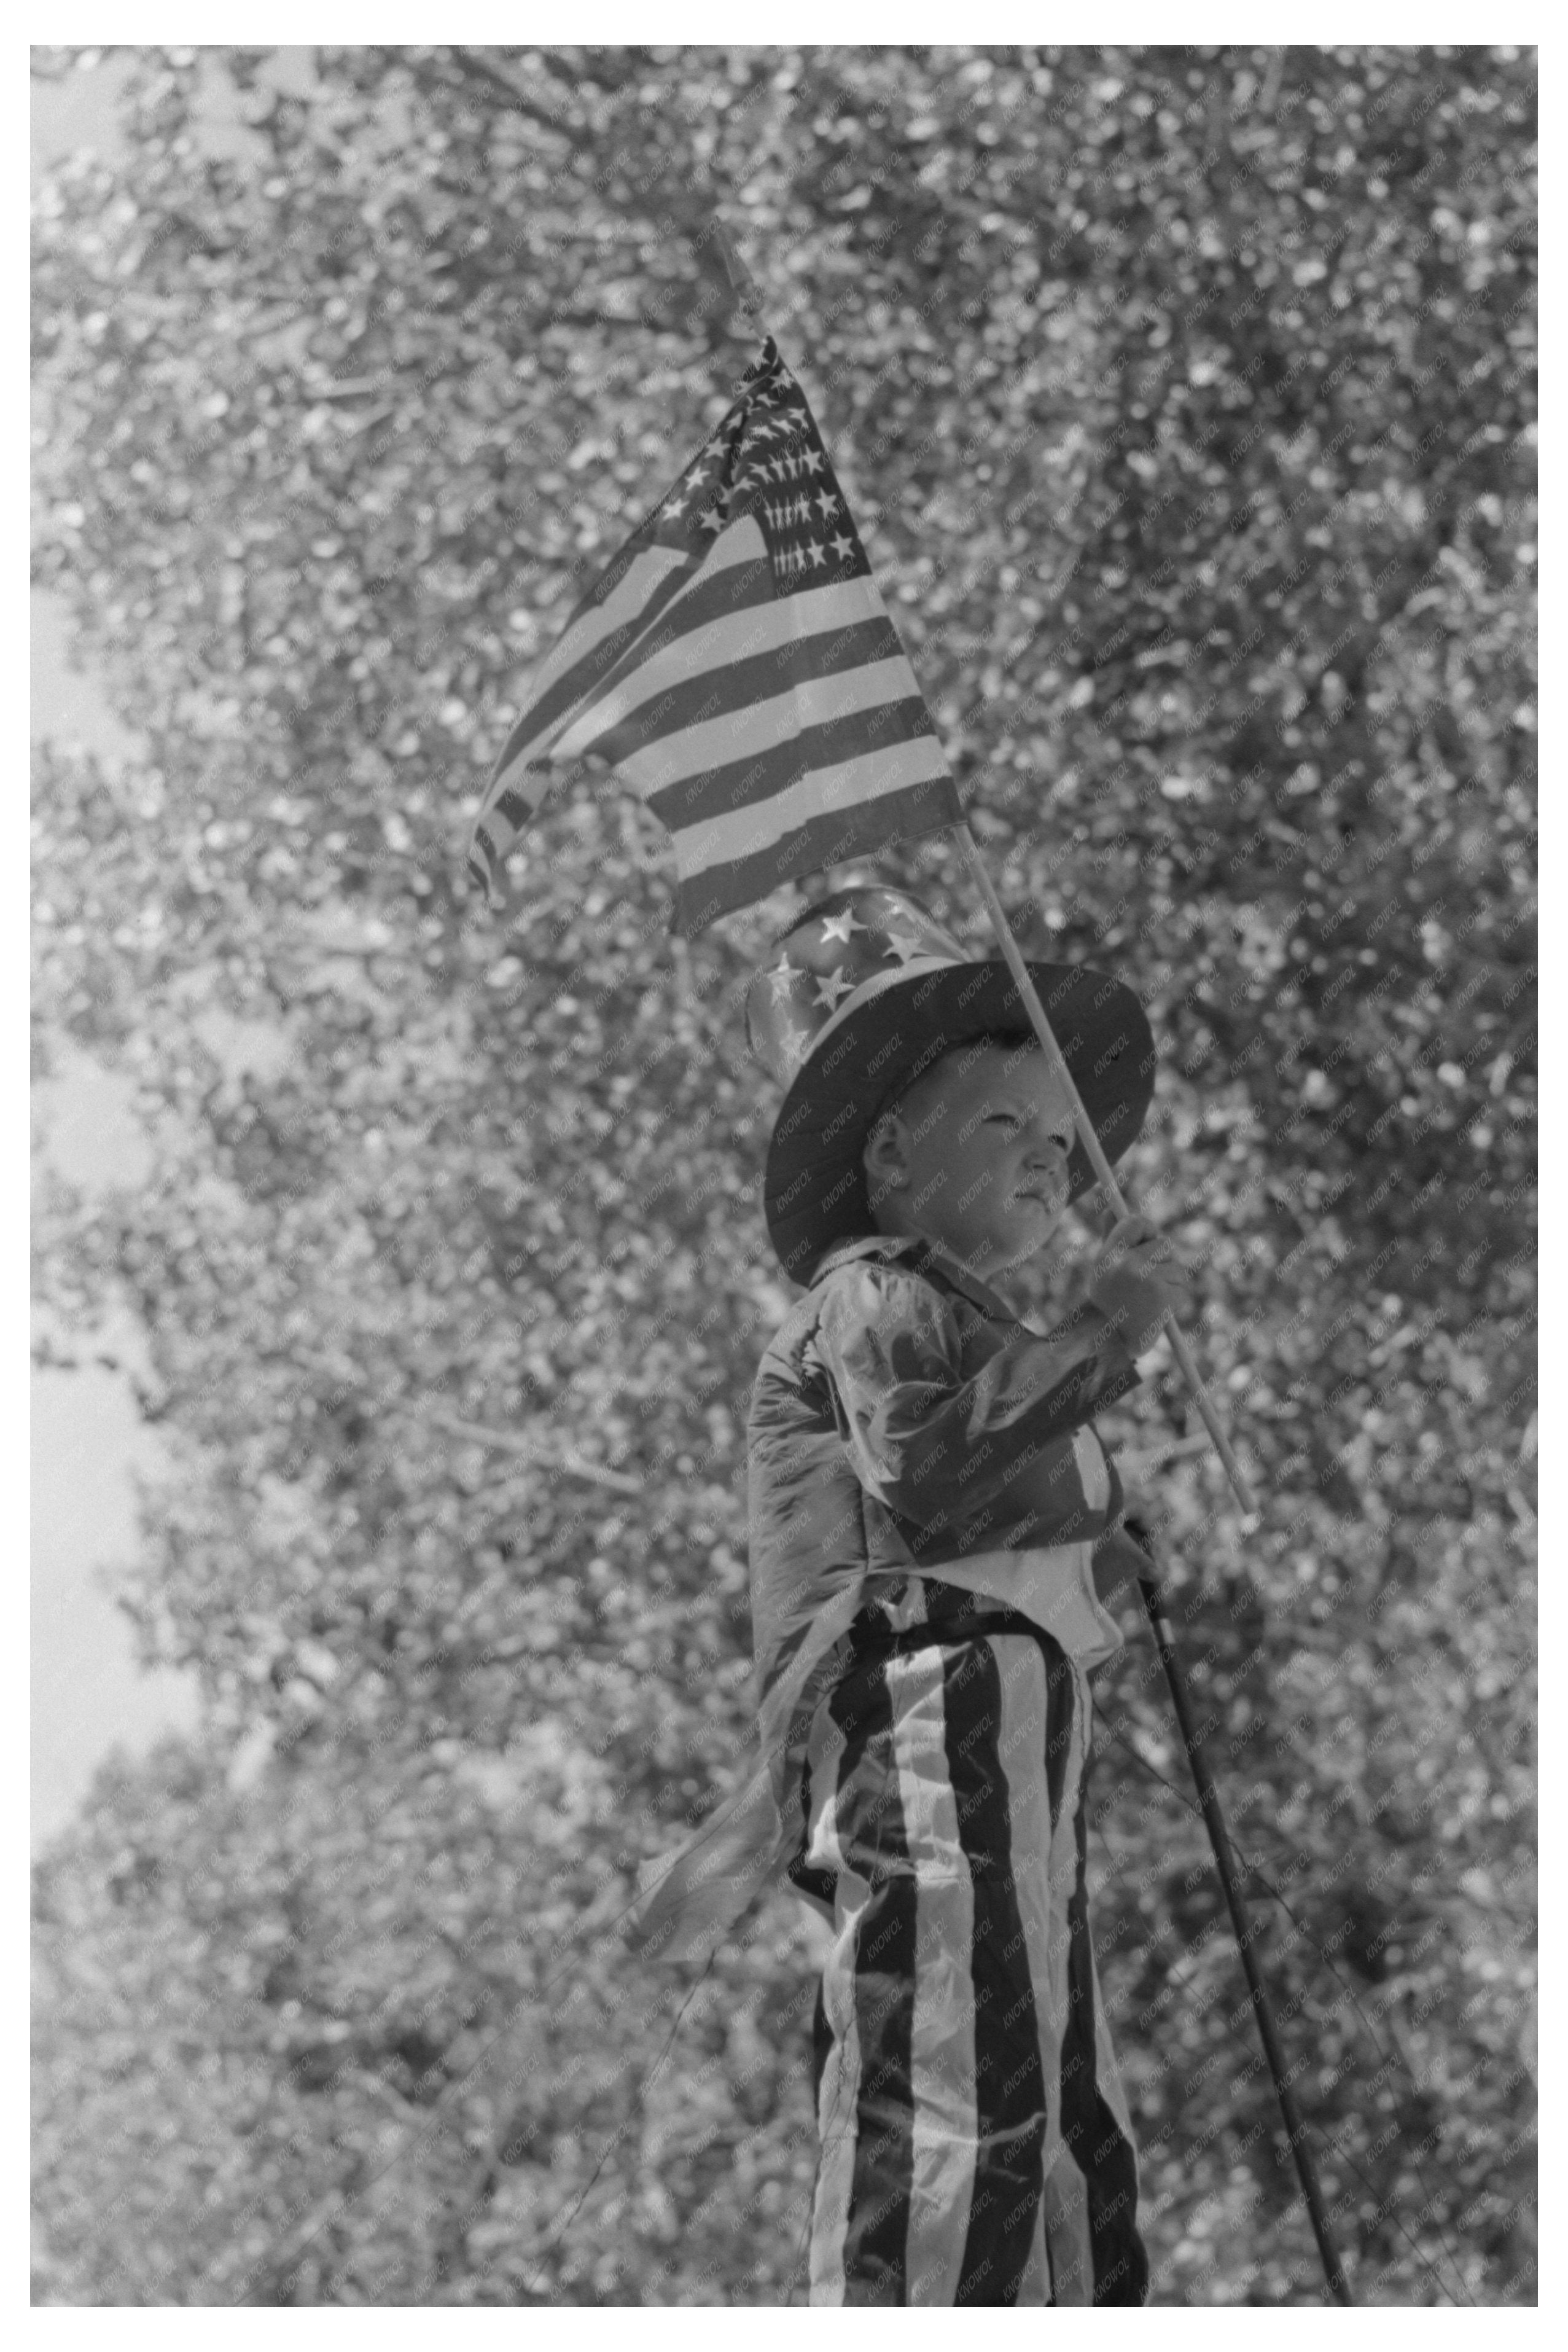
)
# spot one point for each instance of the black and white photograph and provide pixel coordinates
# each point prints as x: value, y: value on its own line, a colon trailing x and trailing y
x: 783, y: 1368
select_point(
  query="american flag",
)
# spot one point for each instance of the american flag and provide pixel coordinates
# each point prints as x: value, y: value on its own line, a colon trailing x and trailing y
x: 735, y: 667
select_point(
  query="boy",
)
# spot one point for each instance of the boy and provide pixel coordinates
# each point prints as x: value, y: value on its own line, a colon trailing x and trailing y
x: 926, y: 1493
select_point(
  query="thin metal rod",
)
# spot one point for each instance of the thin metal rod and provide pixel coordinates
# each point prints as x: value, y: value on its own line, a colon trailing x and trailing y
x: 1219, y: 1839
x: 1097, y: 1159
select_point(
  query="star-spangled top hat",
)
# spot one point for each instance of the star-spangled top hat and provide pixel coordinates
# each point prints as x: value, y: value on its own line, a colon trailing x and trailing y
x: 865, y: 992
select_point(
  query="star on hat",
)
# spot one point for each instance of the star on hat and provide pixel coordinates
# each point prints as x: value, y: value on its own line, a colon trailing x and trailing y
x: 901, y: 944
x: 835, y: 985
x: 842, y: 926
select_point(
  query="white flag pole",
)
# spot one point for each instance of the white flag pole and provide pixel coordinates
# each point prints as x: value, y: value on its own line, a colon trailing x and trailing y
x: 1096, y: 1155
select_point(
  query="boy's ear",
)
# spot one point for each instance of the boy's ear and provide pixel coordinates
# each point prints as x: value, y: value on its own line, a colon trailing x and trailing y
x: 886, y: 1155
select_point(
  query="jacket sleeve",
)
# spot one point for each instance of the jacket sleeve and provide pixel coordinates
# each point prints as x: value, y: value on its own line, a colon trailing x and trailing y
x: 929, y: 1445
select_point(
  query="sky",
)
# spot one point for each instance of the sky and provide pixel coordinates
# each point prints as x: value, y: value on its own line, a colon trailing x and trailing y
x: 87, y: 1441
x: 88, y: 1446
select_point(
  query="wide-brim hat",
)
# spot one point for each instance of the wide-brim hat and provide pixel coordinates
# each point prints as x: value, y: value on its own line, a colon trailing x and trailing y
x: 866, y: 991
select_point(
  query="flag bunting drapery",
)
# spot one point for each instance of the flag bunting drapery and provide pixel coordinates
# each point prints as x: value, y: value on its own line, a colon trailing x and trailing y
x: 737, y: 668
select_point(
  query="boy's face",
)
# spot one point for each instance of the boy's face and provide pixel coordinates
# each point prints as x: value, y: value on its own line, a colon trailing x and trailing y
x: 974, y: 1157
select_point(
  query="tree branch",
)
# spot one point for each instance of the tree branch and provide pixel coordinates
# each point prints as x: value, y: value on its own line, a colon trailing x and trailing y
x: 573, y: 1464
x: 478, y: 68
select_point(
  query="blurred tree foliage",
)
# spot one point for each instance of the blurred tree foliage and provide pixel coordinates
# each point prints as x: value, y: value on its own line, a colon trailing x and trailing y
x: 1186, y: 398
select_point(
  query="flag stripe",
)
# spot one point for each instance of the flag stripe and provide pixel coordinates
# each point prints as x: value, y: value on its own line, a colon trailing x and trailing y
x: 882, y: 2171
x: 704, y: 893
x: 830, y: 628
x: 825, y: 792
x: 838, y: 2101
x: 704, y: 604
x: 1009, y: 2072
x: 712, y: 595
x: 933, y: 1786
x: 591, y: 650
x: 730, y: 603
x: 1091, y: 2133
x: 742, y: 682
x: 713, y: 745
x: 699, y: 595
x: 830, y: 749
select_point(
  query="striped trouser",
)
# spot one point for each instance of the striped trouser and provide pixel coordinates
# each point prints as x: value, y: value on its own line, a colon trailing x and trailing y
x: 975, y: 2142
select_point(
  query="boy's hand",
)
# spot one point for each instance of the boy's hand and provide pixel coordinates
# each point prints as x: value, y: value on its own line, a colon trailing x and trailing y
x: 1137, y: 1279
x: 1117, y: 1563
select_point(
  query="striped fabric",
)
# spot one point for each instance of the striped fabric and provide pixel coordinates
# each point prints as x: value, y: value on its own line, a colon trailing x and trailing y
x: 735, y: 667
x: 975, y: 2144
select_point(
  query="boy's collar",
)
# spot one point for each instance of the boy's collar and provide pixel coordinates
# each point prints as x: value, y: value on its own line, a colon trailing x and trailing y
x: 924, y: 1257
